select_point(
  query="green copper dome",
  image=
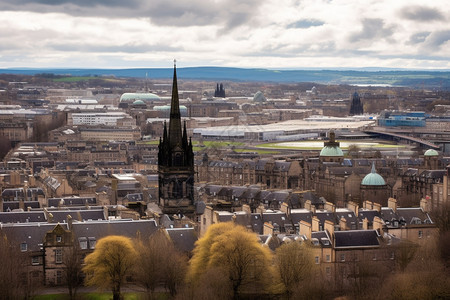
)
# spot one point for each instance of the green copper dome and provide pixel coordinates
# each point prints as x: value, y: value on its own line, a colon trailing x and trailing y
x: 259, y: 97
x: 431, y: 152
x: 373, y: 178
x: 331, y: 151
x: 139, y: 96
x: 138, y: 102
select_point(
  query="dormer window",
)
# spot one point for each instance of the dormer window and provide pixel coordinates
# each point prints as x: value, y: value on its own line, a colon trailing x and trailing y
x: 58, y: 239
x: 92, y: 242
x: 83, y: 243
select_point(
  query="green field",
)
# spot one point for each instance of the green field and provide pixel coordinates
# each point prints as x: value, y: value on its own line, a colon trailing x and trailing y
x: 74, y: 79
x: 317, y: 145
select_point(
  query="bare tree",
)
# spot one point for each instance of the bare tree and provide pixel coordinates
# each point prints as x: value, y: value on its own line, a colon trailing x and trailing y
x: 72, y: 271
x: 160, y: 264
x: 294, y: 262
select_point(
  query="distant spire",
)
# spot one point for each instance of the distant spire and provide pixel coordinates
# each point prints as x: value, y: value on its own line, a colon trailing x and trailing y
x: 175, y: 135
x: 185, y: 140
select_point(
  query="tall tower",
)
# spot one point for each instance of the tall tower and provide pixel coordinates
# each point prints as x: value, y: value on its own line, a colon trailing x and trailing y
x: 356, y: 107
x: 176, y: 162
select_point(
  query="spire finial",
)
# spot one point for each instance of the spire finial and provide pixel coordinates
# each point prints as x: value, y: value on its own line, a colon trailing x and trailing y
x: 373, y: 168
x: 175, y: 63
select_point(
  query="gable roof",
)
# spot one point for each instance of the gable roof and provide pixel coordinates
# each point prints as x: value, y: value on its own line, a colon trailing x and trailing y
x: 125, y: 227
x: 32, y: 234
x: 356, y: 239
x: 183, y: 238
x: 22, y: 217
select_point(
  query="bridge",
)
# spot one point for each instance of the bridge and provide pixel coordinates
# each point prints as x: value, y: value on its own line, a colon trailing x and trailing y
x: 403, y: 138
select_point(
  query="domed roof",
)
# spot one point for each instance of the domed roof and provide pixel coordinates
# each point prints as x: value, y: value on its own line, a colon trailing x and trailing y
x: 331, y: 151
x: 373, y: 178
x: 138, y: 102
x: 431, y: 152
x: 259, y: 97
x: 331, y: 147
x: 139, y: 96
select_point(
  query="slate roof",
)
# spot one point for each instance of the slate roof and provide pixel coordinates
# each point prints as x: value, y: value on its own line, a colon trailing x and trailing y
x: 22, y: 217
x: 125, y: 227
x: 349, y: 216
x: 256, y: 222
x: 213, y: 189
x: 200, y: 207
x: 388, y: 215
x: 369, y: 214
x: 322, y: 237
x: 413, y: 215
x: 276, y: 218
x: 60, y: 216
x: 435, y: 175
x: 183, y: 238
x: 18, y: 192
x: 282, y: 165
x: 32, y: 234
x: 298, y: 215
x: 71, y: 201
x: 314, y: 198
x: 11, y: 205
x: 135, y: 197
x: 53, y: 183
x: 324, y: 215
x: 356, y: 239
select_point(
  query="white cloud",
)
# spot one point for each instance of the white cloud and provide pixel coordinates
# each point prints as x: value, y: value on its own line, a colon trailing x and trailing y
x: 268, y: 33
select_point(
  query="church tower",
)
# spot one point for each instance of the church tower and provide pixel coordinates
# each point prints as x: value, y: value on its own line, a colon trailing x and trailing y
x: 176, y: 162
x: 356, y: 107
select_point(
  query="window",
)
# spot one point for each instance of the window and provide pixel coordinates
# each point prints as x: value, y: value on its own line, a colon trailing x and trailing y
x: 316, y: 260
x: 392, y: 255
x: 374, y: 256
x: 35, y: 260
x: 59, y: 277
x: 58, y: 239
x: 58, y: 256
x: 83, y: 243
x: 23, y: 247
x: 420, y: 234
x: 92, y: 242
x: 342, y: 257
x: 328, y: 258
x: 328, y: 270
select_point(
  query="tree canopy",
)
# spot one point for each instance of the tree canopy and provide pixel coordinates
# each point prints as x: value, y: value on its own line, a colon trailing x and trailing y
x: 111, y: 262
x: 294, y: 262
x: 159, y: 263
x: 236, y: 254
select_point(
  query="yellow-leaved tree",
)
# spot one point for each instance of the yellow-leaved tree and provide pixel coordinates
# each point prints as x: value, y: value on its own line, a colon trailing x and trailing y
x: 111, y: 262
x: 295, y: 266
x: 229, y: 258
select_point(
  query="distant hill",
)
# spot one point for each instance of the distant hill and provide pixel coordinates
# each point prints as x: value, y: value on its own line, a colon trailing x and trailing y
x: 371, y: 76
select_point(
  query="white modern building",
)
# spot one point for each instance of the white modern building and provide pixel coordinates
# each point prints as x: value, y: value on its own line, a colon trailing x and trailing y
x: 96, y: 118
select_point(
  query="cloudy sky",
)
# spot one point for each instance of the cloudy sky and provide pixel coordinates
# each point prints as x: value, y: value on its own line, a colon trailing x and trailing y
x: 234, y: 33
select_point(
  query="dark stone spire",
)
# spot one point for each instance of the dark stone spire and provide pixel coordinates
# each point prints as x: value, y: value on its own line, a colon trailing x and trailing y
x: 356, y: 107
x: 176, y: 163
x: 185, y: 140
x: 175, y: 116
x: 220, y: 91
